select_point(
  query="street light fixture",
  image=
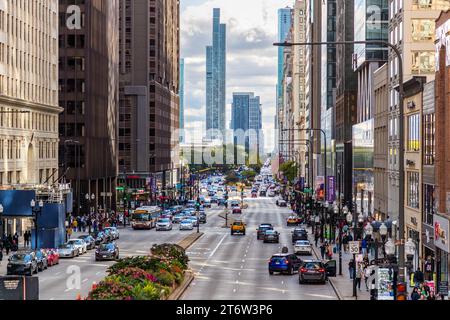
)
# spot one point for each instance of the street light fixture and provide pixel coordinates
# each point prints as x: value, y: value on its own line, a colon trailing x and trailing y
x: 37, y: 211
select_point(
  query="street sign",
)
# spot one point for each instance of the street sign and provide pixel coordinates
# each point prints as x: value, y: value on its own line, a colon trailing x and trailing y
x: 354, y: 247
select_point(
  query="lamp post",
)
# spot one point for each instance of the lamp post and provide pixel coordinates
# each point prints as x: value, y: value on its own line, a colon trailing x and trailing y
x: 36, y: 208
x: 349, y: 219
x: 368, y: 230
x: 337, y: 212
x: 89, y: 198
x: 360, y: 224
x: 383, y: 233
x: 410, y: 249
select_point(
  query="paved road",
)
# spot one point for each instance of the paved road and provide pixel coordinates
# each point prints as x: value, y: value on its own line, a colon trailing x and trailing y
x: 76, y: 276
x: 235, y: 267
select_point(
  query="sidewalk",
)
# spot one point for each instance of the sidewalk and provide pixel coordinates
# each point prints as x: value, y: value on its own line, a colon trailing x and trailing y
x: 343, y: 285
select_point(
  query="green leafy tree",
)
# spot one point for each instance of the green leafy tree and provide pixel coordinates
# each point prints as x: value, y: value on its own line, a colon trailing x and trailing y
x: 289, y: 170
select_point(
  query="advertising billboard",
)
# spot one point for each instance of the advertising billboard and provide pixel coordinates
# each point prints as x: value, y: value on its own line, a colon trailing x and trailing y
x: 441, y: 231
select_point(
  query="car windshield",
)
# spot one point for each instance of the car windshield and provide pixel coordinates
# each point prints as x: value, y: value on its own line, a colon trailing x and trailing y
x: 186, y: 222
x: 75, y: 241
x: 238, y: 223
x: 302, y: 243
x: 164, y: 220
x: 263, y: 228
x: 108, y: 246
x: 270, y: 232
x: 313, y: 265
x: 278, y: 258
x: 20, y: 257
x: 65, y: 246
x: 299, y: 231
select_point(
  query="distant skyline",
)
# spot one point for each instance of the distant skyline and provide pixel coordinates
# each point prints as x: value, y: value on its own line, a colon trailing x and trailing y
x: 251, y: 58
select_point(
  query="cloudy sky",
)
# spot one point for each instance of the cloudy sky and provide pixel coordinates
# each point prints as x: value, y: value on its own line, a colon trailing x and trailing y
x: 251, y: 57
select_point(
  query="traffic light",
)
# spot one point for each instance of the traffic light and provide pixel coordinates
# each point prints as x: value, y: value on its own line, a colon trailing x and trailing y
x: 402, y: 294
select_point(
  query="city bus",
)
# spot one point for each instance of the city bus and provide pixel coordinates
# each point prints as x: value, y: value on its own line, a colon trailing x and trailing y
x: 145, y: 217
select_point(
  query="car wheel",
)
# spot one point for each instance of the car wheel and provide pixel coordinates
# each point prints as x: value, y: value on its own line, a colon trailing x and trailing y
x: 271, y: 272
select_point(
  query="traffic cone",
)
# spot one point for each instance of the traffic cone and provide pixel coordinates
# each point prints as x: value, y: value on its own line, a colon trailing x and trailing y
x: 79, y: 297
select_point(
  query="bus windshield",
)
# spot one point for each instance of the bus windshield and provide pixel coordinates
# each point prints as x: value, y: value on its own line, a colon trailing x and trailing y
x: 141, y: 216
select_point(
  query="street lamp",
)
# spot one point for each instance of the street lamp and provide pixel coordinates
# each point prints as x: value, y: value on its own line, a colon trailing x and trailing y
x: 383, y: 233
x: 1, y: 221
x: 37, y: 211
x: 410, y: 249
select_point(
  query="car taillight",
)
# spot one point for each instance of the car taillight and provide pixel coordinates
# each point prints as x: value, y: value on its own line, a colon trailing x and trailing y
x: 303, y: 270
x: 286, y: 261
x: 322, y: 270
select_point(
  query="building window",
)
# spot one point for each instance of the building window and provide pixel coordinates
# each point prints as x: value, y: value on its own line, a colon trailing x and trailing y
x: 428, y: 203
x: 413, y: 189
x: 422, y: 29
x: 422, y: 62
x: 428, y: 139
x: 414, y: 132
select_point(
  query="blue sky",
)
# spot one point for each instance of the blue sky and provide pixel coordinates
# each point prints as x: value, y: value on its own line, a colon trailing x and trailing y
x: 251, y: 58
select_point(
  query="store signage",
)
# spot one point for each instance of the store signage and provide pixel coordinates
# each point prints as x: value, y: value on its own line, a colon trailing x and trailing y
x: 331, y: 192
x: 385, y: 287
x: 443, y: 288
x: 441, y: 231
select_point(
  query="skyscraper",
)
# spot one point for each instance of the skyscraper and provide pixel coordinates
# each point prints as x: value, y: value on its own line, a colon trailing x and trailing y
x: 284, y: 25
x: 246, y: 119
x: 88, y: 84
x: 216, y: 79
x: 181, y: 100
x: 149, y: 101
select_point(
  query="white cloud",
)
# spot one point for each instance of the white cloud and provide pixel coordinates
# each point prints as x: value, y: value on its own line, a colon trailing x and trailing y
x: 251, y: 57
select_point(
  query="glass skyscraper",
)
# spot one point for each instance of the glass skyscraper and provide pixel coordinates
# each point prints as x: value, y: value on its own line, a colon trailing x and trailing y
x: 216, y: 79
x: 284, y: 25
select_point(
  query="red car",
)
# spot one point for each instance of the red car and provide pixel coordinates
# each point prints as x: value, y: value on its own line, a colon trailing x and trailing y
x: 52, y: 257
x: 237, y: 210
x: 254, y: 195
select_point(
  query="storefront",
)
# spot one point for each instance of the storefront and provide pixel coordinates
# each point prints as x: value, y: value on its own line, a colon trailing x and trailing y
x: 442, y: 244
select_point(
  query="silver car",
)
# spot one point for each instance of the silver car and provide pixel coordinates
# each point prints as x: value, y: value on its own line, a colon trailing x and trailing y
x: 79, y: 244
x: 68, y: 251
x: 113, y: 232
x: 186, y: 225
x: 164, y: 224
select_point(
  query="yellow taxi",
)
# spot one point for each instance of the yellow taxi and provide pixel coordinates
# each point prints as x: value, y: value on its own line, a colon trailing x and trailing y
x: 238, y: 227
x: 293, y: 220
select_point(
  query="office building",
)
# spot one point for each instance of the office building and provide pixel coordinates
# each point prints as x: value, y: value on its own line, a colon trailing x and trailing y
x: 181, y: 89
x: 149, y: 97
x: 89, y: 86
x: 216, y: 80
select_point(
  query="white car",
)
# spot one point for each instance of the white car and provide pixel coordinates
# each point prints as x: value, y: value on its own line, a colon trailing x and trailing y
x: 186, y: 225
x: 79, y: 244
x: 302, y: 247
x: 164, y: 224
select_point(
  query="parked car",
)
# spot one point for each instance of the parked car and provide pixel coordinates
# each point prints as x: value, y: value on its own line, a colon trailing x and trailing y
x: 262, y: 230
x: 202, y: 218
x: 22, y: 263
x: 107, y: 251
x: 271, y: 236
x: 52, y: 257
x: 164, y: 224
x: 284, y: 263
x: 68, y: 250
x: 178, y: 218
x: 299, y: 234
x: 207, y: 204
x: 312, y: 271
x: 237, y: 210
x: 90, y: 241
x: 41, y: 260
x: 100, y: 237
x: 193, y: 220
x: 186, y: 225
x: 302, y: 247
x: 79, y: 244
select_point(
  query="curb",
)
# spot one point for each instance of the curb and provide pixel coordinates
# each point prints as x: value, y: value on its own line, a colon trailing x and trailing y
x: 190, y: 240
x: 178, y: 292
x: 336, y: 290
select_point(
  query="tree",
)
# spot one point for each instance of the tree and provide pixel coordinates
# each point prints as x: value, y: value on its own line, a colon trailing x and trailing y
x: 231, y: 178
x: 249, y: 175
x: 289, y: 170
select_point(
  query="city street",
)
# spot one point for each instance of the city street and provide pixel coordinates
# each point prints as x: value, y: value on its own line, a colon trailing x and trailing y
x: 235, y: 267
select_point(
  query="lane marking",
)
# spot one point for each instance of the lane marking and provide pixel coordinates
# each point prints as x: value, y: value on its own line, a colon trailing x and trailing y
x: 85, y: 280
x: 218, y: 245
x: 98, y: 273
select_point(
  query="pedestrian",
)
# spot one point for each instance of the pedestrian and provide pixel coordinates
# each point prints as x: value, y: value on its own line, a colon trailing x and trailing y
x: 364, y: 246
x: 345, y: 242
x: 69, y: 232
x: 7, y: 244
x: 415, y: 294
x: 329, y: 251
x: 431, y: 296
x: 316, y: 237
x: 323, y: 247
x: 351, y: 268
x: 1, y: 255
x: 367, y: 274
x: 75, y: 225
x: 418, y: 277
x: 359, y: 275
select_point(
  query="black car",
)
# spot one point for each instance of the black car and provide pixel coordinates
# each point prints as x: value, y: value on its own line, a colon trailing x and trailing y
x: 202, y: 218
x: 271, y: 236
x: 22, y: 263
x: 284, y: 263
x: 90, y: 241
x: 316, y: 271
x: 107, y: 251
x: 262, y: 230
x: 299, y: 234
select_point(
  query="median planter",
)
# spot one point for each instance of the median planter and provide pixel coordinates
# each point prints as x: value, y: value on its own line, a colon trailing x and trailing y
x: 152, y: 277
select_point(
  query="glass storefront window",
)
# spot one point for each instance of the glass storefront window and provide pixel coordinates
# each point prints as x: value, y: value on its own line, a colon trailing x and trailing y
x: 428, y: 204
x: 414, y: 132
x: 423, y: 62
x: 413, y: 189
x: 422, y: 29
x: 428, y: 139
